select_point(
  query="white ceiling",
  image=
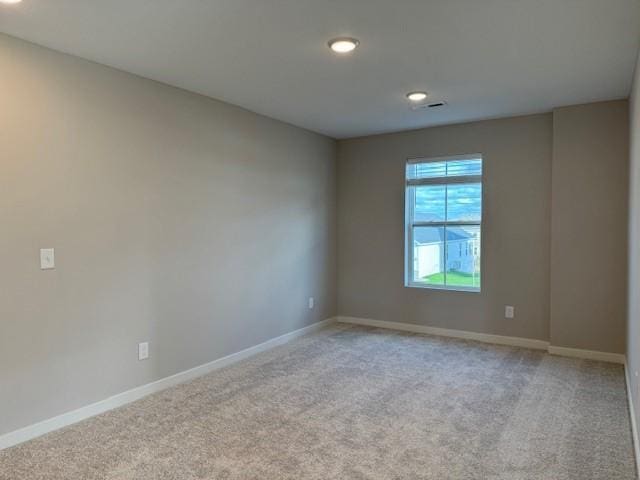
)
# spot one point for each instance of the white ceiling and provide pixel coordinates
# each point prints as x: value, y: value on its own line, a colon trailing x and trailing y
x: 486, y: 58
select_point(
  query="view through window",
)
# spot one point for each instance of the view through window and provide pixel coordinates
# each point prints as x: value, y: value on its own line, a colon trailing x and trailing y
x: 444, y: 222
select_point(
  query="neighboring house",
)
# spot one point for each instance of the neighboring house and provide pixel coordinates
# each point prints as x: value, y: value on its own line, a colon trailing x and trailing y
x: 431, y: 257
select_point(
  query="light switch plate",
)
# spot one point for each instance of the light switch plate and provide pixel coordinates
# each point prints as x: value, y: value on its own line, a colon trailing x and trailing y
x: 47, y: 259
x: 312, y: 303
x: 143, y: 351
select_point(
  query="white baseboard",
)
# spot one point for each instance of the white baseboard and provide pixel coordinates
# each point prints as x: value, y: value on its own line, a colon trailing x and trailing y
x: 587, y: 354
x: 32, y: 431
x: 632, y: 414
x: 445, y: 332
x: 487, y: 338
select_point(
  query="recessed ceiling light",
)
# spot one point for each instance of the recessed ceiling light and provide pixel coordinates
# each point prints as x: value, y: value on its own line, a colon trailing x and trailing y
x: 416, y: 96
x: 343, y: 45
x: 10, y: 2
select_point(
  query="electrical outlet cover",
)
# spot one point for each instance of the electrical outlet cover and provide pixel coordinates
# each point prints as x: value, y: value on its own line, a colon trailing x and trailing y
x: 47, y: 259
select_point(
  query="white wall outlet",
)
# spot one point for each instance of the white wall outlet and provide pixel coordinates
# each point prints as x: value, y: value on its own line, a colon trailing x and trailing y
x: 143, y: 351
x: 509, y: 312
x: 312, y: 303
x: 47, y: 259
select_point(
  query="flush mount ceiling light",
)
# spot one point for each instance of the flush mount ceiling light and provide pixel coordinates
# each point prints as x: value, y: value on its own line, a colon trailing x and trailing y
x: 416, y: 96
x: 343, y: 44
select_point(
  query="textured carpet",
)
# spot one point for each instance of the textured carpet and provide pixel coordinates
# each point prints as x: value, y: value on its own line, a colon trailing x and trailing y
x: 358, y: 403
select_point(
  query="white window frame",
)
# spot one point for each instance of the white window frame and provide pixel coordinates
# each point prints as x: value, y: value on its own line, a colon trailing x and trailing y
x: 410, y: 224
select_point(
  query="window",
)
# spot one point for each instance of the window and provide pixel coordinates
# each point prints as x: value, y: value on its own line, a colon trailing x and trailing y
x: 444, y: 222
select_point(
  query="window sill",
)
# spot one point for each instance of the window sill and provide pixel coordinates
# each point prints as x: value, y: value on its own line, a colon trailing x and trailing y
x: 446, y: 289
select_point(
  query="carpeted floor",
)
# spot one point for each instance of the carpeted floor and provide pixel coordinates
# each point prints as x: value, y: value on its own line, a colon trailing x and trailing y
x: 358, y: 403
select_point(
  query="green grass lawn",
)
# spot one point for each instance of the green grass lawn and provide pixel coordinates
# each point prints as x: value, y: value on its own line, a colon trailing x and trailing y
x: 454, y: 279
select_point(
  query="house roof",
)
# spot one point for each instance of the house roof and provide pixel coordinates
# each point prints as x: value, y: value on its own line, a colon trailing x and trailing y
x: 424, y: 235
x: 432, y: 217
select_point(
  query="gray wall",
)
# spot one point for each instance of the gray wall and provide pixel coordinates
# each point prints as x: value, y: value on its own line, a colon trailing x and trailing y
x: 572, y: 294
x: 515, y: 237
x: 633, y: 318
x: 589, y: 226
x: 177, y: 219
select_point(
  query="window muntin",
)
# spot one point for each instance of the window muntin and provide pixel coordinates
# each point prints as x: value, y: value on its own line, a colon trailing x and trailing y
x: 444, y: 222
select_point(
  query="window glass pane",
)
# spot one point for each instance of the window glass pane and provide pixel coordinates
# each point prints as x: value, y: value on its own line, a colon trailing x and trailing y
x: 457, y: 168
x: 464, y: 202
x: 429, y: 203
x: 428, y: 255
x: 463, y: 257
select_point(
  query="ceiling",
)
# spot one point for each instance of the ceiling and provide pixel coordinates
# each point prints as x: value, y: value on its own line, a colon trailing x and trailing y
x: 486, y: 58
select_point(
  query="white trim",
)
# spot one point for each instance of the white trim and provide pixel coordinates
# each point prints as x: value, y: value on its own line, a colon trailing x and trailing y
x: 428, y: 286
x: 632, y: 414
x: 32, y: 431
x: 417, y: 182
x: 587, y: 354
x: 445, y: 332
x: 410, y: 223
x: 447, y: 158
x: 488, y: 338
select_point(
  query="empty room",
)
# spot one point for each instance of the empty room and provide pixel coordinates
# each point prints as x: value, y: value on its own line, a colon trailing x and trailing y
x: 319, y: 239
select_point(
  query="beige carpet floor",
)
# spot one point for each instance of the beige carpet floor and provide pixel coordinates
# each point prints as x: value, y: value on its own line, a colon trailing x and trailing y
x: 358, y: 403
